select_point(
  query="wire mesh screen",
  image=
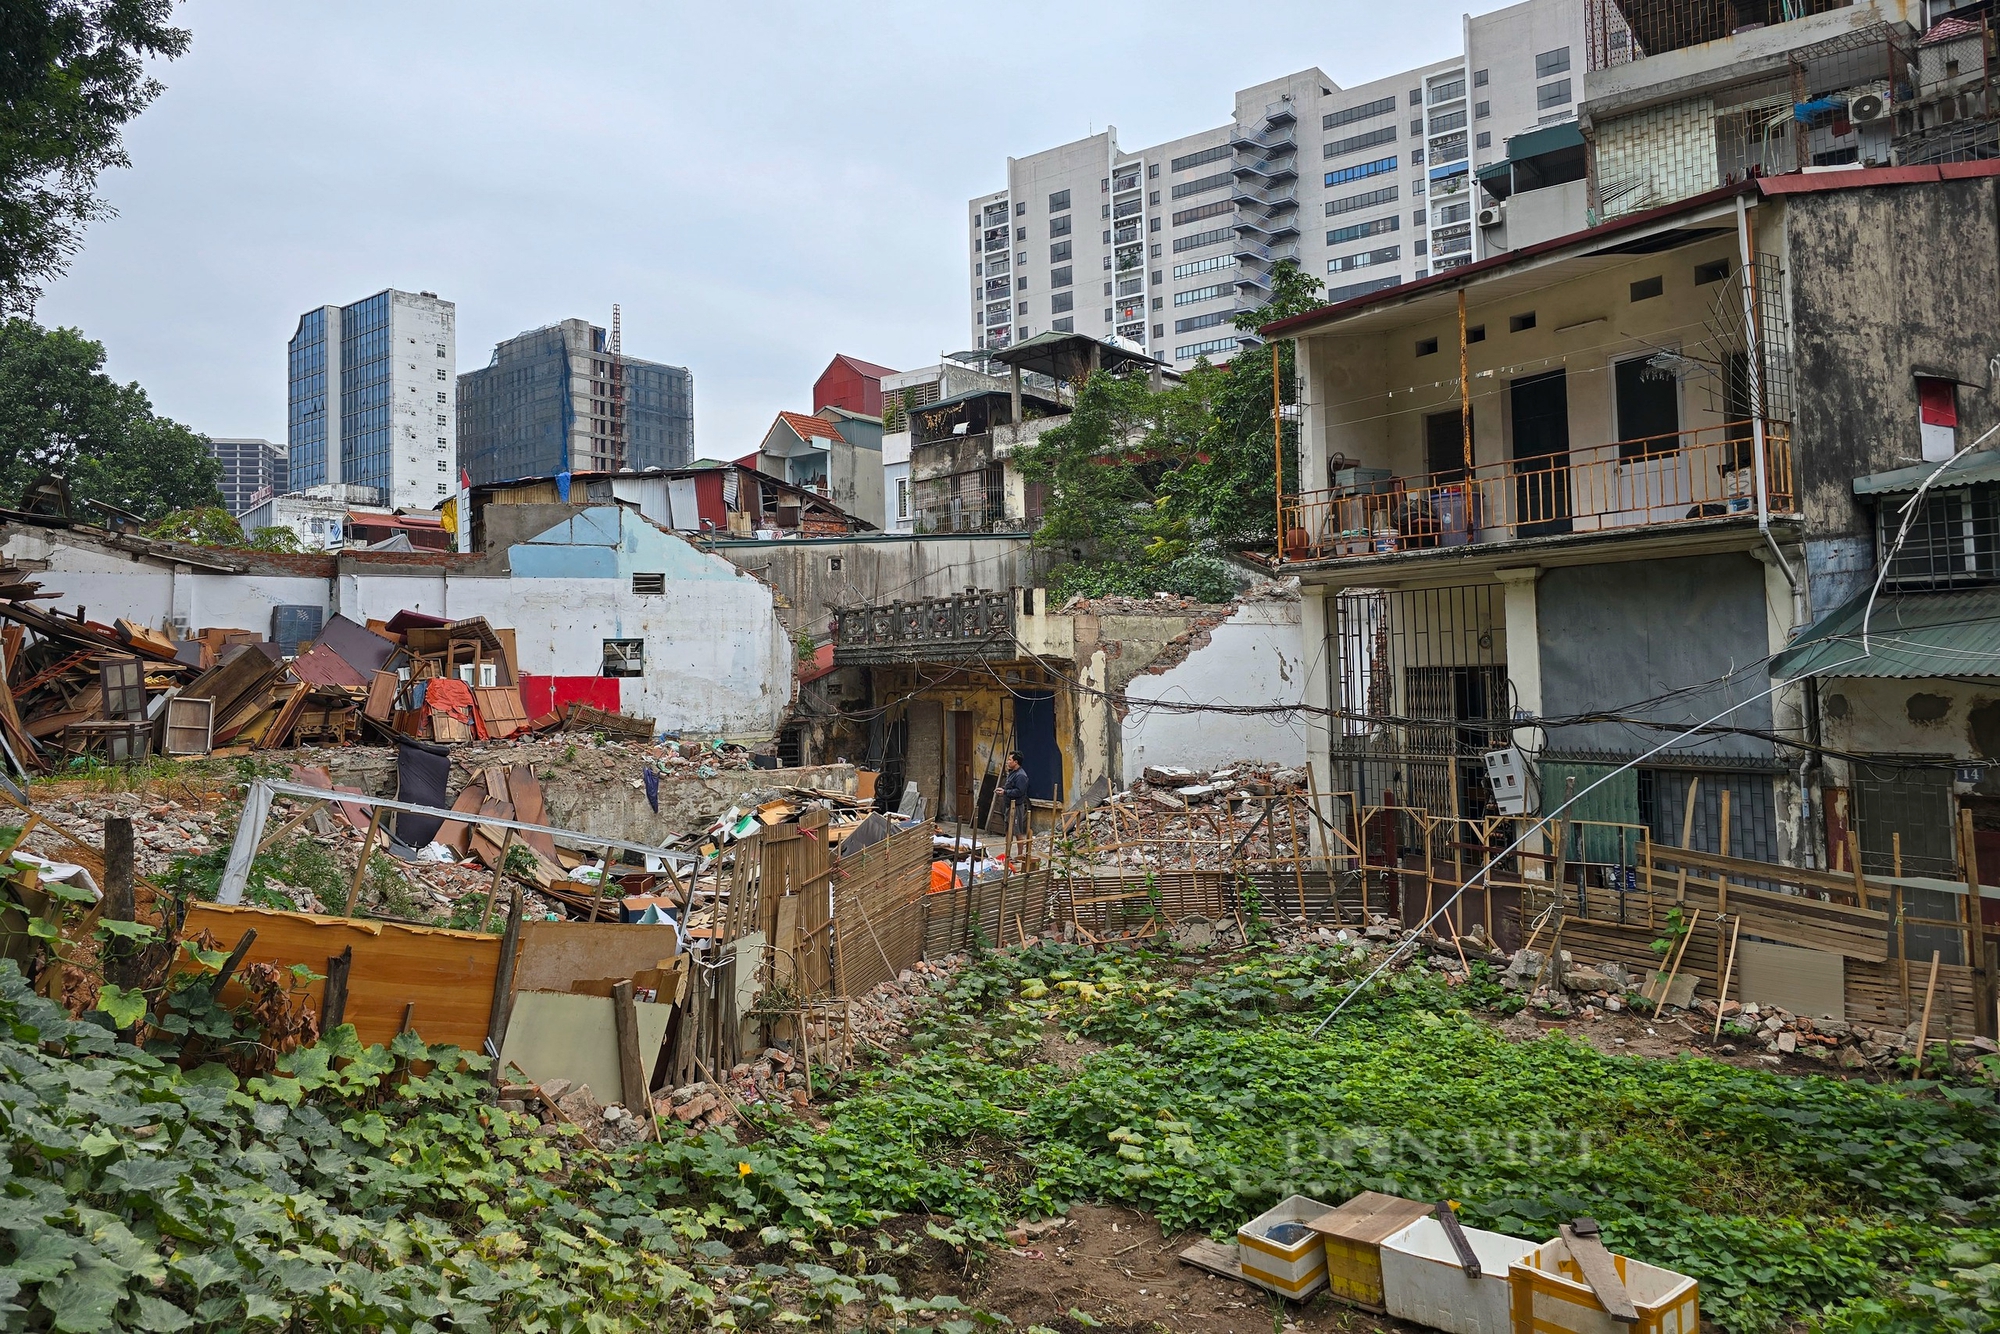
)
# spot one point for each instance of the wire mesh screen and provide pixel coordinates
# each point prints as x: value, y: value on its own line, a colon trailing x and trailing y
x: 1621, y: 31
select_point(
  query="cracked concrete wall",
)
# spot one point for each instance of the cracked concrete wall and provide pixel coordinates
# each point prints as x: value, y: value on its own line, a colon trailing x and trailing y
x: 1256, y: 656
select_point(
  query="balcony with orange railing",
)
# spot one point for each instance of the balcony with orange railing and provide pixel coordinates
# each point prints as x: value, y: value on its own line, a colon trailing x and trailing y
x: 1658, y: 482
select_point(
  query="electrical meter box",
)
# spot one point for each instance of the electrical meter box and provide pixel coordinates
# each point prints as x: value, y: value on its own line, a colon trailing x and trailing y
x: 1507, y: 775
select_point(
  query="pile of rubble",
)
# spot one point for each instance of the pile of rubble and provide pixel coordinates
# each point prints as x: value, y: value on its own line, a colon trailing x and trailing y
x: 1201, y: 818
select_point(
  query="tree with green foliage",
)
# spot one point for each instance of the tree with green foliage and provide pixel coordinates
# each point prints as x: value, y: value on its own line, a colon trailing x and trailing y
x: 1149, y: 492
x: 212, y: 526
x: 60, y: 413
x: 72, y: 72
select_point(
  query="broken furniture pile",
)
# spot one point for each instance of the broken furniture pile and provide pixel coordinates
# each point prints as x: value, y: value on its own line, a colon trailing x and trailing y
x: 1415, y: 1261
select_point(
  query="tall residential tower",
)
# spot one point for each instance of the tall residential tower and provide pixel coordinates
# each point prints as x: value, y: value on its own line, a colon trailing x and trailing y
x: 372, y: 390
x: 1365, y: 187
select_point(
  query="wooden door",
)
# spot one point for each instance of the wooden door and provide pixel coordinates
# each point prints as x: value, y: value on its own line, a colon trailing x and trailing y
x: 963, y: 778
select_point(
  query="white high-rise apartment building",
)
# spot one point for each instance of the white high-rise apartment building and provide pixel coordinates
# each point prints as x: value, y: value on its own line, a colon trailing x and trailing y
x: 1365, y: 187
x: 373, y: 398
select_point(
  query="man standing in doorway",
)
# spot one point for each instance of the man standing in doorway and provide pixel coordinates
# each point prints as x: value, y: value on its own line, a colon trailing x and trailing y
x: 1014, y: 798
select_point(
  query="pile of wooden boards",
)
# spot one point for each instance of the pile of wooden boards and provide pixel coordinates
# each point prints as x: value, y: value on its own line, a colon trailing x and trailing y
x: 72, y: 686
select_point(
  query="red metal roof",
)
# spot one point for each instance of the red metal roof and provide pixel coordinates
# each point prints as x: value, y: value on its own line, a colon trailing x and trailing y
x: 1949, y: 30
x: 420, y: 522
x: 868, y: 368
x: 808, y: 428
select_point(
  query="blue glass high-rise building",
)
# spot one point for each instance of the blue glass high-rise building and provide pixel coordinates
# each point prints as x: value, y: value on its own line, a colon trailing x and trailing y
x: 372, y: 394
x: 561, y: 399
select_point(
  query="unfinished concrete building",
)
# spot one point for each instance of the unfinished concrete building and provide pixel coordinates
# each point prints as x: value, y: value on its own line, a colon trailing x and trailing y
x: 566, y: 398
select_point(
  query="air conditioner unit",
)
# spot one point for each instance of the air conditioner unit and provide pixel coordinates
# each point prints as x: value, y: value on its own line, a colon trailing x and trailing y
x: 1869, y: 108
x: 1493, y: 215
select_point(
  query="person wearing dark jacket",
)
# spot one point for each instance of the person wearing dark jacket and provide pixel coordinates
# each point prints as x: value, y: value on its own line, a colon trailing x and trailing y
x: 1014, y: 796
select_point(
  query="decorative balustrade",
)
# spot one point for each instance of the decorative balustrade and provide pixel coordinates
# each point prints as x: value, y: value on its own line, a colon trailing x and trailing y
x: 969, y: 625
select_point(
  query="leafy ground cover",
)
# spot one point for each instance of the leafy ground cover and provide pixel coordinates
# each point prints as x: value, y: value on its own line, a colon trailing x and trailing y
x: 350, y: 1188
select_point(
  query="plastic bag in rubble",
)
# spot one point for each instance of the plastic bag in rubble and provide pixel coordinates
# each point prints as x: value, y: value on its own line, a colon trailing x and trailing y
x: 436, y: 852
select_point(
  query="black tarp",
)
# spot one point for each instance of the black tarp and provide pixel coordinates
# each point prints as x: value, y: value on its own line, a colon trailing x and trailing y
x: 421, y: 773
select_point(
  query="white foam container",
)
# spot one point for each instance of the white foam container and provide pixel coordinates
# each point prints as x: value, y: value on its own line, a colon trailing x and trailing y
x: 1295, y: 1270
x: 1423, y: 1282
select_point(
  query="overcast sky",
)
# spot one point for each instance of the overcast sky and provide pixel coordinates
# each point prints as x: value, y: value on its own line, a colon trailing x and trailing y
x: 759, y: 185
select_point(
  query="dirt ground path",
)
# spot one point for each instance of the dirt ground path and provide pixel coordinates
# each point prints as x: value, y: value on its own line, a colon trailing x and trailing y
x: 1115, y: 1267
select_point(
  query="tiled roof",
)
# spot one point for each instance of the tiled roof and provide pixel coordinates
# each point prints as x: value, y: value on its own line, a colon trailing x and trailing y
x: 1949, y: 30
x: 808, y: 428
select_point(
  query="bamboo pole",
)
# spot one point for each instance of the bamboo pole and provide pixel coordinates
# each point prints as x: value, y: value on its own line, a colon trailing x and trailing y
x: 1930, y: 992
x: 1722, y: 881
x: 361, y: 865
x: 1298, y: 870
x: 1667, y: 987
x: 1687, y: 837
x: 1723, y: 997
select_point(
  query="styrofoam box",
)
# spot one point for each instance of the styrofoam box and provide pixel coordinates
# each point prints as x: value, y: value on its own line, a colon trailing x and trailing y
x: 1423, y: 1282
x: 1550, y: 1295
x: 1293, y: 1269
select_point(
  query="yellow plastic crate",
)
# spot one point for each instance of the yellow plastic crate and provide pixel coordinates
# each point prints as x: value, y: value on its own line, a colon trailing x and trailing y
x: 1292, y: 1268
x: 1354, y: 1234
x: 1547, y: 1295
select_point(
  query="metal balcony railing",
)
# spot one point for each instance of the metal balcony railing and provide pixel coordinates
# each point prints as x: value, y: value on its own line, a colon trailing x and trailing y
x: 1275, y: 200
x: 1280, y: 168
x: 1270, y: 229
x: 1270, y: 140
x: 1658, y: 482
x: 971, y: 625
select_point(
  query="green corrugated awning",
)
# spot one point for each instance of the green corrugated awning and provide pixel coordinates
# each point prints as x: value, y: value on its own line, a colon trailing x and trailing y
x: 1548, y: 139
x: 1911, y: 636
x: 1497, y: 171
x: 1982, y: 466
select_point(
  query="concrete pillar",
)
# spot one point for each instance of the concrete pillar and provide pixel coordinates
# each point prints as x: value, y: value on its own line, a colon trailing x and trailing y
x: 1524, y: 643
x: 1524, y: 671
x: 1015, y: 394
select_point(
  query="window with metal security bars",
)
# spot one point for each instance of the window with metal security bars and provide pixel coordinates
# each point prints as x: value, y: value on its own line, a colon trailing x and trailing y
x: 1200, y: 159
x: 649, y: 585
x: 1953, y: 540
x: 624, y: 657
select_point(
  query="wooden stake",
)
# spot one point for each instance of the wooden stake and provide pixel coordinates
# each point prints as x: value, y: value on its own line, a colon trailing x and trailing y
x: 503, y: 979
x: 1896, y: 853
x: 1930, y: 991
x: 1723, y: 997
x: 1667, y: 988
x: 333, y: 997
x: 493, y: 890
x: 631, y: 1069
x: 361, y: 866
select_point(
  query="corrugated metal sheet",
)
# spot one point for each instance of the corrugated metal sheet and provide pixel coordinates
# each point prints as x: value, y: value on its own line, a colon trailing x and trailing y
x: 1910, y: 636
x: 1980, y: 466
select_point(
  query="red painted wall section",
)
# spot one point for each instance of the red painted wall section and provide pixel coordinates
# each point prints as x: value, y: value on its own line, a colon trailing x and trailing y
x: 546, y: 694
x: 855, y: 386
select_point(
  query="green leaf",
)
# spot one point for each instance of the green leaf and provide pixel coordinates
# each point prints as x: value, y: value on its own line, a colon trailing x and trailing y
x: 43, y: 929
x: 84, y: 1300
x: 125, y: 1007
x: 142, y: 931
x: 68, y: 893
x: 160, y: 1317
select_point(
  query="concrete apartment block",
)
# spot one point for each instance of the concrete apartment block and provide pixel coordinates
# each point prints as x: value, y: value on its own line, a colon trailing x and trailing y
x: 372, y: 398
x: 1365, y: 187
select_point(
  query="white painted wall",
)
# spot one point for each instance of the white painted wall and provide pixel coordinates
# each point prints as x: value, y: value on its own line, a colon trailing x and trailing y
x: 423, y: 461
x: 1257, y: 656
